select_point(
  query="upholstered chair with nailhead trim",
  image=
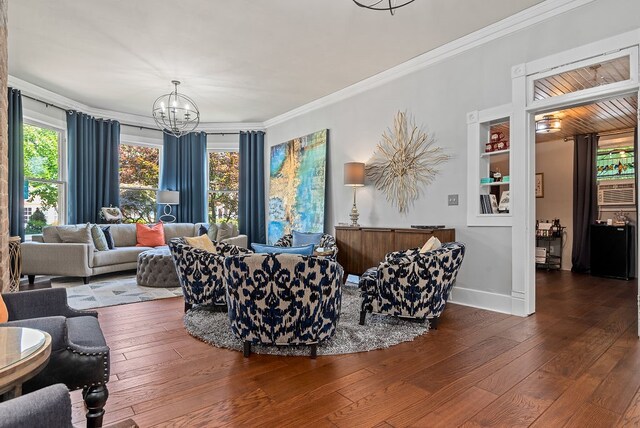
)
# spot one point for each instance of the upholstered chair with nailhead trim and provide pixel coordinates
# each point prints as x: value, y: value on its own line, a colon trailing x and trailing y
x: 79, y: 352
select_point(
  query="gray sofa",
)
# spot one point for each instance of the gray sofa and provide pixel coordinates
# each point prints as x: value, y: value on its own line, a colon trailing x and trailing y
x: 46, y: 254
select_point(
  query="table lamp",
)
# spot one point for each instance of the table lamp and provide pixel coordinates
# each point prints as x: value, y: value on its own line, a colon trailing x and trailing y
x: 168, y: 198
x: 354, y: 177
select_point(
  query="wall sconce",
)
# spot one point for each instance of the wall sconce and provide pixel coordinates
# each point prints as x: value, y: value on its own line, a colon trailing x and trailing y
x: 354, y: 177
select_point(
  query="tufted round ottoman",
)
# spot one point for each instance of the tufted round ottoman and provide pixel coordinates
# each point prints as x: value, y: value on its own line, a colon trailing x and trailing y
x: 156, y: 269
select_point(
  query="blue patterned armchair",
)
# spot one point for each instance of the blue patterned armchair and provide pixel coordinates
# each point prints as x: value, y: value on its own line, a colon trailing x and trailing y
x: 409, y: 284
x: 201, y: 273
x: 283, y: 299
x: 328, y: 242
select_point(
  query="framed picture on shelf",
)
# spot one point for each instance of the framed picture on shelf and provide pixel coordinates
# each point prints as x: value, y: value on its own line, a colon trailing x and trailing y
x: 539, y: 185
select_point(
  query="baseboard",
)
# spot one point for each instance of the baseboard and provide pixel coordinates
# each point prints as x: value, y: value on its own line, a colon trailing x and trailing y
x: 481, y: 299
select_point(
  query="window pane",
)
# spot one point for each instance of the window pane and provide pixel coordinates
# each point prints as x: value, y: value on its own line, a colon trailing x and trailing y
x: 223, y: 207
x: 41, y: 158
x: 41, y: 206
x: 139, y: 166
x: 138, y: 206
x: 615, y: 70
x: 223, y: 171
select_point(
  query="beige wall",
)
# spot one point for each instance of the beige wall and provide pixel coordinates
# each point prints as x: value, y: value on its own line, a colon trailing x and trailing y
x: 555, y: 160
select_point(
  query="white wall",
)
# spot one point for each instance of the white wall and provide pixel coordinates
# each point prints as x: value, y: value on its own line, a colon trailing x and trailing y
x: 439, y: 98
x: 555, y: 160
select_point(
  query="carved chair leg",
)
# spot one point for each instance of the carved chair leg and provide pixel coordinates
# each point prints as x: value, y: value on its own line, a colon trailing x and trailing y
x: 314, y: 351
x: 187, y: 306
x: 433, y: 323
x: 247, y: 348
x: 364, y: 307
x: 95, y: 397
x: 363, y: 316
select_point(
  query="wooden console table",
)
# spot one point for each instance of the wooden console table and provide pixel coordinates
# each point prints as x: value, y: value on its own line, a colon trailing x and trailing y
x: 360, y: 248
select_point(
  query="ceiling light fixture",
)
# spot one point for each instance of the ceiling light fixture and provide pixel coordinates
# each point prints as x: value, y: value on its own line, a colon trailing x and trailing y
x: 548, y: 124
x: 176, y: 114
x: 390, y: 5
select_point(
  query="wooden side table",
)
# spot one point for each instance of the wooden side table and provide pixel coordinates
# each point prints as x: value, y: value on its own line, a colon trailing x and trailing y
x: 23, y: 353
x: 15, y: 269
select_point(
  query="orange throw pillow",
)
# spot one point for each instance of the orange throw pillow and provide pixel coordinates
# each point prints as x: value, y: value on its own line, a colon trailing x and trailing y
x: 4, y: 313
x: 150, y: 236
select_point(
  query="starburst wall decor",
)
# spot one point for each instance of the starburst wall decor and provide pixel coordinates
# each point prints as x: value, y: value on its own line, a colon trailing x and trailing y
x: 405, y: 160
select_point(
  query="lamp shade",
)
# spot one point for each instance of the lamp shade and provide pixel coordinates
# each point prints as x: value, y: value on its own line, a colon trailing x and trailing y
x: 354, y: 174
x: 169, y: 197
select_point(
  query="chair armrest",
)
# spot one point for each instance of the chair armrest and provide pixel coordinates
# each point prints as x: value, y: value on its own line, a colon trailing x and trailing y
x: 238, y: 241
x: 55, y: 326
x: 47, y: 302
x: 50, y: 406
x: 56, y: 259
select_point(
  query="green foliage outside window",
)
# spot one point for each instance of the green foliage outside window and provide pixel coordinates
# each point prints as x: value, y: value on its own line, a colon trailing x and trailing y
x: 223, y: 187
x: 41, y: 161
x: 139, y: 177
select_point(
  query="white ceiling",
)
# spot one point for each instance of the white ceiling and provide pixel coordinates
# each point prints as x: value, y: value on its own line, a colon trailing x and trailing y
x: 240, y: 60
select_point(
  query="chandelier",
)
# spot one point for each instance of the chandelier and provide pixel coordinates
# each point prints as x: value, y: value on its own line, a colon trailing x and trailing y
x: 176, y: 114
x: 390, y: 5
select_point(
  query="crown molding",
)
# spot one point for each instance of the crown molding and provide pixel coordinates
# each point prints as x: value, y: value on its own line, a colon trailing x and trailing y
x: 48, y: 96
x: 526, y: 18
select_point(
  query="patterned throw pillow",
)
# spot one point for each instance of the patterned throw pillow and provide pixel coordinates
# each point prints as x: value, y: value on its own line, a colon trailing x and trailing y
x: 99, y: 240
x: 268, y: 249
x: 150, y: 235
x: 107, y: 235
x: 201, y: 242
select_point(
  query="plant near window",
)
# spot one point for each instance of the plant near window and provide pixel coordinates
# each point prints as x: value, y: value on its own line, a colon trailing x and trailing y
x: 404, y: 161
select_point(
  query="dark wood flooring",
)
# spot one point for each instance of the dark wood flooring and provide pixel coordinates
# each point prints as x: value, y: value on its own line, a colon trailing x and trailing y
x: 575, y: 363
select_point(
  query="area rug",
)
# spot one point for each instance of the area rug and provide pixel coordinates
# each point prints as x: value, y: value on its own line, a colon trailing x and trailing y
x: 110, y: 290
x: 380, y: 331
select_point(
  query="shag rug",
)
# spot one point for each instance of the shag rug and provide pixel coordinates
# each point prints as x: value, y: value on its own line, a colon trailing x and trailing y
x: 380, y: 331
x: 110, y: 290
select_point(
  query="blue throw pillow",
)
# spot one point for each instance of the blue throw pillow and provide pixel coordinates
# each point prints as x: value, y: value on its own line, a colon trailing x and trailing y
x: 107, y: 234
x: 269, y: 249
x: 203, y: 230
x: 301, y: 239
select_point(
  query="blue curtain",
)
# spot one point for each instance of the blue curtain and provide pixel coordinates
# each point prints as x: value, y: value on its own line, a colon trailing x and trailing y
x: 251, y: 203
x: 16, y: 164
x: 184, y: 166
x: 94, y: 181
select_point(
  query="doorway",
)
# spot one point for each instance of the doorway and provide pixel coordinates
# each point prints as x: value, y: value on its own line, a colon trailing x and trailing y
x: 595, y: 144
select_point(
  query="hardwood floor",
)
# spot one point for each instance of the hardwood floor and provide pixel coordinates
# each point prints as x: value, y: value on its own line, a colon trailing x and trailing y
x: 575, y: 363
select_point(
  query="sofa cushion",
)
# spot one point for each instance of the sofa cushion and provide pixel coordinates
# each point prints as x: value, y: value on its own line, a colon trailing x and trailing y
x: 99, y: 239
x: 124, y: 235
x: 107, y: 236
x: 178, y: 230
x: 150, y: 235
x: 303, y: 238
x: 77, y: 234
x: 226, y: 231
x: 117, y: 256
x: 50, y: 235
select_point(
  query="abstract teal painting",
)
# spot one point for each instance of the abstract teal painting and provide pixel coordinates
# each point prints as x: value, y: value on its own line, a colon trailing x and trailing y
x: 297, y: 185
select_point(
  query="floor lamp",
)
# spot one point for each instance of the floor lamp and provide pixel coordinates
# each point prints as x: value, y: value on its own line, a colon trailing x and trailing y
x: 354, y: 177
x: 168, y: 198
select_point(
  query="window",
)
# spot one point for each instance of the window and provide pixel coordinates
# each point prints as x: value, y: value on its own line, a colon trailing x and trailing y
x: 44, y: 185
x: 139, y: 181
x: 223, y: 187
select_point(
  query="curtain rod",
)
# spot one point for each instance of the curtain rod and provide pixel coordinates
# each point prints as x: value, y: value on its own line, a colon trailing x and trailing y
x: 48, y: 104
x: 608, y: 133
